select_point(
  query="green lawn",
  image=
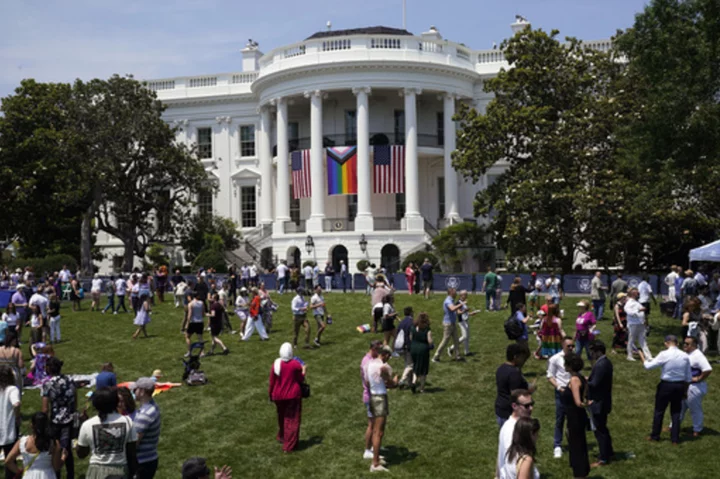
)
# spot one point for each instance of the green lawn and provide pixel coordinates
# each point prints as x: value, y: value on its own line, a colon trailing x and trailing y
x: 450, y: 430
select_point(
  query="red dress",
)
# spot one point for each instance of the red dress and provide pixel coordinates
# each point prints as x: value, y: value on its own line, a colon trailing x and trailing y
x: 410, y: 278
x: 285, y: 392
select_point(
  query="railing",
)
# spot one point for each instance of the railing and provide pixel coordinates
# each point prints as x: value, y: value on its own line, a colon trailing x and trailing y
x: 248, y: 77
x: 386, y: 43
x: 599, y: 45
x: 294, y: 51
x: 491, y: 56
x: 463, y: 53
x: 431, y: 47
x: 334, y: 45
x: 201, y: 82
x: 376, y: 139
x: 430, y: 229
x: 161, y: 85
x: 386, y: 223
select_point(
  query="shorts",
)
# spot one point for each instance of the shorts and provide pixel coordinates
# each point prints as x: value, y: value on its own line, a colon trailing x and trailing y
x: 215, y: 329
x: 367, y: 408
x: 377, y: 314
x: 388, y: 324
x: 647, y: 308
x: 194, y: 328
x: 320, y: 320
x: 63, y: 433
x: 427, y: 284
x: 379, y: 405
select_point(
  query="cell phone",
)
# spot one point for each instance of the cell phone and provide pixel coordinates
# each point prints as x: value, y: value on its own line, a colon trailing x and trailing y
x: 302, y: 363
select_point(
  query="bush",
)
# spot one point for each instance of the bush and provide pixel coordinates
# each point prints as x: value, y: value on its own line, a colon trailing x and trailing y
x: 418, y: 258
x: 49, y: 264
x: 309, y: 263
x: 362, y: 265
x: 210, y: 258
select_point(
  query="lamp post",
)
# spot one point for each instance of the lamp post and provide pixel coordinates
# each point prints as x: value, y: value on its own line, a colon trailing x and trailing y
x: 309, y: 244
x: 363, y: 243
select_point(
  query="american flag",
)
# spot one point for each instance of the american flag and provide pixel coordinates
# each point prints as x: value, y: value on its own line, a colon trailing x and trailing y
x: 389, y: 169
x: 301, y: 174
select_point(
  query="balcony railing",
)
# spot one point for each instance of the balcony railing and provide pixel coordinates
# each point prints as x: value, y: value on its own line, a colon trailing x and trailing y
x: 424, y: 139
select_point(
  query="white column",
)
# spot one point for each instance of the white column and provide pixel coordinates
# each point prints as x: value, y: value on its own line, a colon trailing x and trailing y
x: 317, y: 169
x: 282, y: 190
x: 265, y: 167
x: 451, y: 180
x: 413, y: 220
x: 364, y: 219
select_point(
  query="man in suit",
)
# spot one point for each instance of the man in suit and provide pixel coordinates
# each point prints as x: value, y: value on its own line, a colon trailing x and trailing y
x: 600, y: 396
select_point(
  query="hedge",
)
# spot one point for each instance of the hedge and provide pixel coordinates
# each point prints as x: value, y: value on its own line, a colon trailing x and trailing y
x: 418, y: 258
x: 210, y: 258
x: 48, y: 264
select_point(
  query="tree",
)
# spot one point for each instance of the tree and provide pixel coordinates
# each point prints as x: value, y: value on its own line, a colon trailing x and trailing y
x: 192, y: 238
x: 142, y: 181
x: 552, y: 121
x: 454, y: 243
x: 673, y: 55
x: 40, y: 179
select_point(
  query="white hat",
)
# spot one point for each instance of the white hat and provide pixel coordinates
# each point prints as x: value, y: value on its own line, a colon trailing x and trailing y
x: 541, y: 313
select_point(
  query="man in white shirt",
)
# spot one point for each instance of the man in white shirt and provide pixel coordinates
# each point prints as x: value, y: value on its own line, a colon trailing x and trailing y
x: 522, y: 405
x: 645, y: 295
x: 316, y: 275
x: 379, y: 377
x: 343, y: 275
x: 307, y: 275
x: 636, y: 325
x: 597, y: 294
x: 700, y: 369
x: 65, y: 275
x: 120, y: 290
x: 299, y: 309
x: 674, y: 381
x: 552, y: 284
x: 253, y: 275
x: 282, y: 277
x: 38, y: 299
x: 559, y: 378
x: 317, y: 304
x: 700, y: 279
x: 670, y: 283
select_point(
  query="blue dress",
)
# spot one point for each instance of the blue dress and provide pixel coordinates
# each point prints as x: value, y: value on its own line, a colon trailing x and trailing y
x: 142, y: 317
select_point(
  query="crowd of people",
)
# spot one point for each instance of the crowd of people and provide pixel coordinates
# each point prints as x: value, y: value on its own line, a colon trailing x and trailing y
x: 129, y: 420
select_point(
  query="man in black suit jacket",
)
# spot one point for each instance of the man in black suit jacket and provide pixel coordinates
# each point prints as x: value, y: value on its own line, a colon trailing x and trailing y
x: 600, y: 393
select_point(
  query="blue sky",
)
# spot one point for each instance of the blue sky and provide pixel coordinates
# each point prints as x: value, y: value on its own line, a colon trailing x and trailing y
x: 61, y: 41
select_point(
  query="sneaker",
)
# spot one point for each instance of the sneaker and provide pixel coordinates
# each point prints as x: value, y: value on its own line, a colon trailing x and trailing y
x: 450, y: 351
x: 379, y: 468
x: 368, y: 454
x: 435, y: 360
x: 114, y: 312
x: 557, y: 452
x: 233, y: 332
x: 630, y: 358
x: 103, y: 311
x: 225, y: 352
x: 395, y: 355
x: 187, y: 355
x: 316, y: 342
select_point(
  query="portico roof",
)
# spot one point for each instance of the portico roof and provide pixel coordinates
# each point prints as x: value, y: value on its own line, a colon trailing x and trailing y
x: 378, y: 30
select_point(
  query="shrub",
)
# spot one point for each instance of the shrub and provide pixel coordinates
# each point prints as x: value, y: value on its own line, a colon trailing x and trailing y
x: 309, y: 263
x: 362, y: 265
x: 48, y: 264
x: 418, y: 258
x: 210, y: 258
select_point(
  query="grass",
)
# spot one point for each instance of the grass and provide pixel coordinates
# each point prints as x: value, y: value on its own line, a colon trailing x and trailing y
x: 450, y: 430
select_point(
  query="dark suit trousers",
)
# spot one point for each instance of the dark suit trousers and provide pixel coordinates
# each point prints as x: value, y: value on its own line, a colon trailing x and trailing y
x: 672, y: 394
x: 602, y: 434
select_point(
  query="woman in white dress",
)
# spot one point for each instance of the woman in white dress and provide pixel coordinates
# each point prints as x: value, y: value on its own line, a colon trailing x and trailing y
x: 41, y: 455
x: 520, y: 463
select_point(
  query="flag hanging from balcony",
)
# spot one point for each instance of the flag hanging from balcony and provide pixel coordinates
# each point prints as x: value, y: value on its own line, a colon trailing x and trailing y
x: 342, y: 170
x: 388, y: 169
x: 301, y: 174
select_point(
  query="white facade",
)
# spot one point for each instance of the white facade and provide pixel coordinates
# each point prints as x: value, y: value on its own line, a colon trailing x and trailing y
x: 341, y: 88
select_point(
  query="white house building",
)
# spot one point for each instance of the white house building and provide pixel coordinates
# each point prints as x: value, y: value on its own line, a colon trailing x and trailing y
x: 386, y: 94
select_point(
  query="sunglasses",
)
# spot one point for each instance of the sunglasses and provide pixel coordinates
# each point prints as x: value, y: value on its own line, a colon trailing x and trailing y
x: 526, y: 405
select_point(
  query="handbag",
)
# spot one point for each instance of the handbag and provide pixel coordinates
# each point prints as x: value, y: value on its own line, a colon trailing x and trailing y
x: 305, y: 390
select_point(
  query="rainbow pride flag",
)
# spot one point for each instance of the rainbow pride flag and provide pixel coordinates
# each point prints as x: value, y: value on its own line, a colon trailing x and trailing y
x: 342, y: 170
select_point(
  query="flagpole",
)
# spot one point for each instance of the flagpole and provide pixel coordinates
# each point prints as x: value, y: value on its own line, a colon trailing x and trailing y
x: 403, y: 11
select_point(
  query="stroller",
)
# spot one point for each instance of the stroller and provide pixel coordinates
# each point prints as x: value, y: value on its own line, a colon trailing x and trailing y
x: 192, y: 375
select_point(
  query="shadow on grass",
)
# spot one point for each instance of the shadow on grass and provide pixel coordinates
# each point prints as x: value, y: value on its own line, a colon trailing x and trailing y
x: 434, y: 390
x: 309, y: 442
x: 397, y: 455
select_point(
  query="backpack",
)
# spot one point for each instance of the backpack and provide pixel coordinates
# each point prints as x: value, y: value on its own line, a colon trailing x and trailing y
x: 513, y: 328
x: 400, y: 340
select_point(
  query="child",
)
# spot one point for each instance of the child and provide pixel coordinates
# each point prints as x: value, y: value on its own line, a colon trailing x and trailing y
x: 36, y: 324
x: 317, y: 304
x: 142, y: 318
x: 54, y: 315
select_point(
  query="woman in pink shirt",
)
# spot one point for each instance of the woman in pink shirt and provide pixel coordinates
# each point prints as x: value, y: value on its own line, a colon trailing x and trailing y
x: 286, y: 376
x: 410, y: 278
x: 584, y: 328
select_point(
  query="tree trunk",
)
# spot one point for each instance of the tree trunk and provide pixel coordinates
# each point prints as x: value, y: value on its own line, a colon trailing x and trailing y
x: 86, y: 263
x: 129, y: 254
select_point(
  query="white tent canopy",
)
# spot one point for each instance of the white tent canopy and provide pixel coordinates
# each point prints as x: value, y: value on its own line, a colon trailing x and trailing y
x: 709, y: 252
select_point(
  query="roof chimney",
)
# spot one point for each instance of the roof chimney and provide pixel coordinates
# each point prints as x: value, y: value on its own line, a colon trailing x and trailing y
x: 520, y: 24
x: 432, y: 33
x: 251, y: 56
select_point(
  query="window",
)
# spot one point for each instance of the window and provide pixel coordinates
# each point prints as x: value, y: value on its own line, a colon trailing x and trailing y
x: 205, y: 202
x: 247, y: 140
x: 294, y: 208
x: 399, y: 205
x: 399, y: 127
x: 204, y: 143
x: 441, y: 197
x: 352, y: 207
x: 440, y: 128
x: 248, y: 207
x: 350, y: 127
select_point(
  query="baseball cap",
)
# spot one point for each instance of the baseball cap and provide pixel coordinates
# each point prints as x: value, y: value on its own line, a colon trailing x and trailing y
x: 145, y: 383
x: 195, y: 468
x: 157, y: 373
x: 386, y: 350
